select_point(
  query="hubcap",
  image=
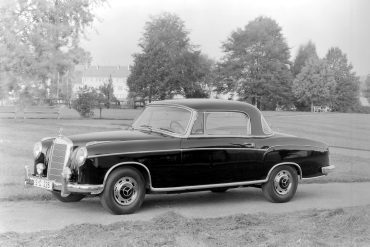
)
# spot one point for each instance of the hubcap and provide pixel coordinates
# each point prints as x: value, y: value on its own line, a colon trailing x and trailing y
x: 282, y: 182
x: 125, y: 191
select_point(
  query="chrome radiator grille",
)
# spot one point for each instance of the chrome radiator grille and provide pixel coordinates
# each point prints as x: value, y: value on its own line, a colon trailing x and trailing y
x: 58, y: 158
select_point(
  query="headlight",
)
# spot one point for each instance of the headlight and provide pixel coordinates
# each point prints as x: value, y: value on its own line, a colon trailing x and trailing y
x: 81, y: 155
x: 40, y: 167
x: 37, y: 148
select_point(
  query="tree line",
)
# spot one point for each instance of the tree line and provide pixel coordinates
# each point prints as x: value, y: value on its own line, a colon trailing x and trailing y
x: 256, y: 67
x: 40, y: 47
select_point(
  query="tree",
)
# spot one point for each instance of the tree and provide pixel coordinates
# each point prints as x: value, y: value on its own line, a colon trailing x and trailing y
x: 346, y: 93
x: 256, y: 64
x: 199, y: 70
x: 315, y: 84
x: 305, y: 52
x: 168, y: 64
x: 367, y: 87
x: 87, y: 99
x: 107, y: 92
x: 39, y: 40
x: 5, y: 86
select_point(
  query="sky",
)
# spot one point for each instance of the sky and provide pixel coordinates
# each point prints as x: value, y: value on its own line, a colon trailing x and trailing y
x: 327, y: 23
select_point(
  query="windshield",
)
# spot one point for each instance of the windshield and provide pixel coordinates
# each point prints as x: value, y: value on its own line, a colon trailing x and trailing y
x: 164, y: 118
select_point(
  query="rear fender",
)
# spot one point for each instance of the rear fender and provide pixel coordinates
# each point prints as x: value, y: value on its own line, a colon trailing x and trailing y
x: 291, y: 164
x: 292, y: 155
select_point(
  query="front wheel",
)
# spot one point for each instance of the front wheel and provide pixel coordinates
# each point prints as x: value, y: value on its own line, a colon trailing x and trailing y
x: 124, y: 191
x: 69, y: 198
x: 282, y: 184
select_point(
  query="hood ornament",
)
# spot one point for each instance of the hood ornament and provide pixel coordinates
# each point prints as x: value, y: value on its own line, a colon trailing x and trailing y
x: 60, y: 132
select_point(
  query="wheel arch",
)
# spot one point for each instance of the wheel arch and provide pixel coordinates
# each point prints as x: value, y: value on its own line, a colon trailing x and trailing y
x: 294, y: 165
x: 139, y: 166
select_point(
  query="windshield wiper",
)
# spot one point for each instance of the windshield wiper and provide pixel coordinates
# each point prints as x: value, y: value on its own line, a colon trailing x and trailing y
x: 150, y: 128
x: 169, y: 130
x: 143, y: 127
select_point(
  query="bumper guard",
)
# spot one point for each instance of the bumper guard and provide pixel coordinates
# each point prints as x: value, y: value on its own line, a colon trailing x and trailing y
x: 327, y: 169
x: 65, y: 187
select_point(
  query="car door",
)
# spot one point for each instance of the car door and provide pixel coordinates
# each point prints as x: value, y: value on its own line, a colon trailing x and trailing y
x: 196, y: 162
x: 223, y: 141
x: 239, y: 161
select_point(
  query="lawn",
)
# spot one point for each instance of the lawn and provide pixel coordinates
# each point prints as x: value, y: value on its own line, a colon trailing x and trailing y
x: 16, y: 142
x: 347, y: 134
x: 337, y: 227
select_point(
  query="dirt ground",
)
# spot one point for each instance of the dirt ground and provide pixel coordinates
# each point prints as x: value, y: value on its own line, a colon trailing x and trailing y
x: 338, y: 227
x: 26, y: 215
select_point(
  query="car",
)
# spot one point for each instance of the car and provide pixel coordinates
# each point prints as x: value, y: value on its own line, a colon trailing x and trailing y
x: 176, y: 146
x: 321, y: 109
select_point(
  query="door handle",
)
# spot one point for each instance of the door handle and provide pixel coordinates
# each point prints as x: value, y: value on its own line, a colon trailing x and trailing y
x: 249, y: 145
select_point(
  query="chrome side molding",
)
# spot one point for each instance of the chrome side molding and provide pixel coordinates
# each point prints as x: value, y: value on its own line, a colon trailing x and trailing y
x: 197, y: 187
x: 97, y: 189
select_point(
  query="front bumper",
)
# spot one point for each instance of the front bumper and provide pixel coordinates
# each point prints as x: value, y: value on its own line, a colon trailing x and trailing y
x: 65, y: 187
x: 327, y: 169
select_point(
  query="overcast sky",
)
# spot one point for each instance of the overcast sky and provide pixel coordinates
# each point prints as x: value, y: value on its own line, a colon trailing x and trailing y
x: 341, y: 23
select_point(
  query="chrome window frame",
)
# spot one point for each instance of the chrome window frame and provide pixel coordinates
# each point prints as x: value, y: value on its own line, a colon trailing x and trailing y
x: 193, y: 117
x: 204, y: 135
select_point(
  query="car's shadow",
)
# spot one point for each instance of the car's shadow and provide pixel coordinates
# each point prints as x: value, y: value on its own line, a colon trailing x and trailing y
x: 200, y: 199
x: 203, y: 198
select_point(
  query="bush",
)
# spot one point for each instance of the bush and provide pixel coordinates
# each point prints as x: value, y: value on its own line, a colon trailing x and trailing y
x: 88, y: 98
x: 363, y: 109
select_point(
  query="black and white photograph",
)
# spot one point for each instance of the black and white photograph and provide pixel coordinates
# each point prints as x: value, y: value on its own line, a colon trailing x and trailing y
x: 184, y: 123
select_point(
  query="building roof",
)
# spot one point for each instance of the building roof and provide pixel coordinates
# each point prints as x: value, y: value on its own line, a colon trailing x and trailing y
x: 105, y: 71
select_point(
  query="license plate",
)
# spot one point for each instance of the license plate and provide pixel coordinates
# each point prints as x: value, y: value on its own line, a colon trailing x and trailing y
x: 42, y: 183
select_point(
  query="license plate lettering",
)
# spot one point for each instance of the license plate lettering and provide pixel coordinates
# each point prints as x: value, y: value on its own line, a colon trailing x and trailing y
x: 42, y: 183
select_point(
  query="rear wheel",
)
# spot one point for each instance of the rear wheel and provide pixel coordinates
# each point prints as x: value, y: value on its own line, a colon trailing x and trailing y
x: 124, y: 191
x: 282, y: 184
x: 69, y: 198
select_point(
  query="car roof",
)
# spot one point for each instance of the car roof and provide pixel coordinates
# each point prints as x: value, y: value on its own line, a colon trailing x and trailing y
x: 210, y: 104
x: 217, y: 105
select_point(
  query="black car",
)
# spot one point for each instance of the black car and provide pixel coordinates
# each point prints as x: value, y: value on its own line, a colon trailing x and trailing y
x: 178, y: 146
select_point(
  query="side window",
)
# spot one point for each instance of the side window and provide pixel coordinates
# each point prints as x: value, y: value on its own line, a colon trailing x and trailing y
x: 227, y: 123
x: 198, y: 127
x: 265, y: 127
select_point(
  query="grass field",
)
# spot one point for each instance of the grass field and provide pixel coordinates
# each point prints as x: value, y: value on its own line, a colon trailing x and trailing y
x: 347, y: 134
x: 16, y: 142
x: 338, y: 227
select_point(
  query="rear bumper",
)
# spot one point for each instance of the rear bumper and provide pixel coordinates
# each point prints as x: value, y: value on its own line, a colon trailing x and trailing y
x: 327, y: 169
x: 65, y: 187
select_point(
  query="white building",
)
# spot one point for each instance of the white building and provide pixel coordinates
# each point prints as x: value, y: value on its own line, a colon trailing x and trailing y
x: 96, y: 76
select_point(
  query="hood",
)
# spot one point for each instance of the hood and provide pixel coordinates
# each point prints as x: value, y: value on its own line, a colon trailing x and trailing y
x: 119, y: 135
